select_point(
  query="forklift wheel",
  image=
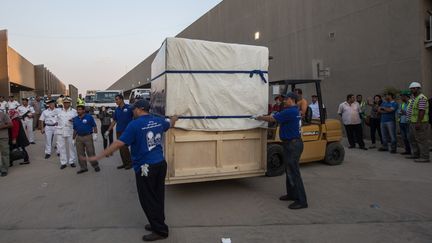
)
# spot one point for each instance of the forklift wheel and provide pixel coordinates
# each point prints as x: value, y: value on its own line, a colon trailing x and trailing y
x: 275, y: 160
x: 335, y: 154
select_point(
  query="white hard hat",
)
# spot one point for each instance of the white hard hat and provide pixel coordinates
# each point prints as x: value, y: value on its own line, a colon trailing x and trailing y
x: 415, y: 85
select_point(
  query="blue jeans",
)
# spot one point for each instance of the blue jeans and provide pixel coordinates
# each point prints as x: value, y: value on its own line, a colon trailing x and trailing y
x: 294, y: 183
x: 388, y: 130
x: 404, y: 128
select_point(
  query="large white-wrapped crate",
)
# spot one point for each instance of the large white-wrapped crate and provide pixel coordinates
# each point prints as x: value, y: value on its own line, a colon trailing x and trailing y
x: 213, y: 86
x: 200, y: 81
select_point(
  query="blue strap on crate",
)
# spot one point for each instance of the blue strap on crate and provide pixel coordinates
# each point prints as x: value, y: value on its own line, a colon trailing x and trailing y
x: 251, y: 73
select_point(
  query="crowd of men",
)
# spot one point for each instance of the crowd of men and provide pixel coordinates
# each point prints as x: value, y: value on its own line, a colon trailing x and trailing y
x: 75, y: 132
x: 409, y: 113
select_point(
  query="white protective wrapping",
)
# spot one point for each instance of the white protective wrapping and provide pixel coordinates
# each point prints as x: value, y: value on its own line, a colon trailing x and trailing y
x: 210, y: 94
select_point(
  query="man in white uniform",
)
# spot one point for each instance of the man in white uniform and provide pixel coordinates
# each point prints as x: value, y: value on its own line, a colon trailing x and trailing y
x: 47, y: 125
x: 12, y: 103
x: 26, y: 113
x: 64, y: 131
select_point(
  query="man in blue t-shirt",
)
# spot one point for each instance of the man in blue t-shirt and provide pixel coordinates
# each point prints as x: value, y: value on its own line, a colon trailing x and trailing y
x: 144, y: 135
x: 388, y: 123
x: 290, y: 133
x: 123, y: 115
x: 85, y: 133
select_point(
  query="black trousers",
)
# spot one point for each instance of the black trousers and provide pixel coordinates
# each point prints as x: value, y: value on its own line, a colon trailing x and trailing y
x: 355, y: 135
x: 104, y: 128
x: 294, y: 183
x: 151, y: 192
x: 375, y: 126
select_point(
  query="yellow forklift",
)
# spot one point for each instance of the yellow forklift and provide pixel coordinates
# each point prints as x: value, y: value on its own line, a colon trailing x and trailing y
x: 321, y: 136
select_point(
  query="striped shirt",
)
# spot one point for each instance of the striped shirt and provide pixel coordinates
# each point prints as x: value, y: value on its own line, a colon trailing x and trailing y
x: 422, y: 106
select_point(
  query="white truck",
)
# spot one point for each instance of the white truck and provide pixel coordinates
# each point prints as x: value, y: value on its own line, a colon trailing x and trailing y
x: 106, y: 98
x: 137, y: 94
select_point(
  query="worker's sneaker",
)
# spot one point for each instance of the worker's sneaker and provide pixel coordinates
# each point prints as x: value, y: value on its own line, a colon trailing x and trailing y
x: 297, y: 205
x: 120, y: 167
x: 25, y: 162
x: 128, y: 167
x: 62, y: 167
x: 422, y: 160
x: 47, y: 156
x: 148, y: 227
x: 286, y: 198
x: 82, y: 171
x: 153, y: 237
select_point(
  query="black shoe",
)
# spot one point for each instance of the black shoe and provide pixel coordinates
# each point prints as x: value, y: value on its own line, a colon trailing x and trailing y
x: 148, y: 227
x: 82, y: 171
x: 3, y: 174
x: 120, y: 167
x: 47, y: 156
x: 405, y: 153
x: 412, y: 157
x: 297, y: 205
x: 286, y: 198
x: 72, y: 165
x: 363, y: 148
x: 62, y: 167
x: 153, y: 237
x: 32, y: 143
x: 97, y: 169
x: 25, y: 163
x: 10, y: 164
x: 128, y: 167
x: 393, y: 152
x: 58, y: 154
x: 351, y: 147
x: 382, y: 149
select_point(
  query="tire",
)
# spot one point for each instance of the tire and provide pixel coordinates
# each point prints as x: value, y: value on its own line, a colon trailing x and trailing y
x: 275, y: 160
x: 335, y: 154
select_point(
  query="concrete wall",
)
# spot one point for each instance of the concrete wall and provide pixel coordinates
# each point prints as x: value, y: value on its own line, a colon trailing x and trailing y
x: 20, y: 70
x: 368, y: 45
x: 4, y: 80
x: 47, y: 82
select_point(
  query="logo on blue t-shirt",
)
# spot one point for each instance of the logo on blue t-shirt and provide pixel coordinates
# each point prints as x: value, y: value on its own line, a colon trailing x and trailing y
x: 85, y: 121
x: 125, y: 110
x: 153, y: 140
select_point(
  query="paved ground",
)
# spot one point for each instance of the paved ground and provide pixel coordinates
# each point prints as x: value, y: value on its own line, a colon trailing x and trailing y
x: 372, y: 197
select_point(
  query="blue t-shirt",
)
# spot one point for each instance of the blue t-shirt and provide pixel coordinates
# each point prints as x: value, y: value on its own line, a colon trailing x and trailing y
x: 289, y: 120
x: 83, y: 126
x: 144, y: 135
x: 122, y: 116
x: 389, y: 116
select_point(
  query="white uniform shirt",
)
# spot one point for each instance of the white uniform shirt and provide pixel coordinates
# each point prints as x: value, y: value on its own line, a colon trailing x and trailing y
x: 12, y: 104
x: 24, y: 109
x: 350, y: 113
x: 50, y: 117
x: 65, y: 125
x: 3, y: 105
x: 315, y: 110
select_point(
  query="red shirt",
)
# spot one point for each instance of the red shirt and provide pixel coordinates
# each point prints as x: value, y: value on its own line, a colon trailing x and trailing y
x: 15, y: 128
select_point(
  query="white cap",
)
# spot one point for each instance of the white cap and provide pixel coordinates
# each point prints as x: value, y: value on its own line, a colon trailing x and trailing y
x: 415, y: 85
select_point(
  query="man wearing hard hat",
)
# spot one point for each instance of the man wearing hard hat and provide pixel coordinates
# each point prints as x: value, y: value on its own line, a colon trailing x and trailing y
x: 418, y: 116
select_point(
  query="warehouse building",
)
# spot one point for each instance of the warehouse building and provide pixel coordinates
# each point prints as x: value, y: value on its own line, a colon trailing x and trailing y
x: 360, y: 47
x: 19, y: 77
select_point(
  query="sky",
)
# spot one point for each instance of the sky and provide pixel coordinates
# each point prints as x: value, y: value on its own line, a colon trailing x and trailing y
x: 92, y: 43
